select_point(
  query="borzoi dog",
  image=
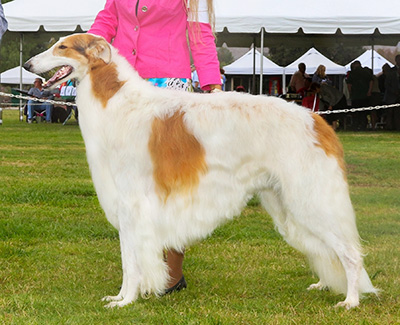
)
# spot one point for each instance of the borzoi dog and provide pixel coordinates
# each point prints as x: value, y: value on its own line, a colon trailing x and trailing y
x: 169, y: 167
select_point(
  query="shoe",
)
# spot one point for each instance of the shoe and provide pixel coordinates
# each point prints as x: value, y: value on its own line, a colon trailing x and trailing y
x: 177, y: 287
x: 30, y: 121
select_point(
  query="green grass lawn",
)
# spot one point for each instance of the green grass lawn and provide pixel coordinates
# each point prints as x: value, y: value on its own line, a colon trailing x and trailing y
x: 59, y: 256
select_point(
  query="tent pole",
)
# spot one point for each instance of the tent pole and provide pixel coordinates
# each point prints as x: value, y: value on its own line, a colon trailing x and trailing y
x: 261, y: 60
x: 21, y: 110
x: 372, y: 57
x: 253, y: 86
x: 283, y: 82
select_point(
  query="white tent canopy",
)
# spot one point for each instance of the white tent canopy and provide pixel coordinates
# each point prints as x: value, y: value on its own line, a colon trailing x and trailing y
x: 313, y: 16
x: 366, y: 61
x: 54, y: 16
x: 240, y: 23
x: 12, y: 76
x: 312, y: 59
x: 244, y: 65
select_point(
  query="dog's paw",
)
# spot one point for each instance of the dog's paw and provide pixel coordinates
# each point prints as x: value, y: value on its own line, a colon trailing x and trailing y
x: 347, y: 304
x: 120, y: 303
x: 317, y: 286
x: 112, y: 298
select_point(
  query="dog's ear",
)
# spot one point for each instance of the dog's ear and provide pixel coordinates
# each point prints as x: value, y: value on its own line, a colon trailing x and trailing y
x: 100, y: 49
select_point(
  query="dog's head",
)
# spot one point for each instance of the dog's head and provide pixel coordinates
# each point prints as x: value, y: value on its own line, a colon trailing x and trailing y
x: 74, y: 54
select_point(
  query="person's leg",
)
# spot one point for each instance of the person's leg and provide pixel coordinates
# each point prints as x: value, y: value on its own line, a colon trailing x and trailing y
x: 389, y: 118
x: 174, y: 262
x: 48, y: 108
x: 30, y: 110
x: 396, y: 118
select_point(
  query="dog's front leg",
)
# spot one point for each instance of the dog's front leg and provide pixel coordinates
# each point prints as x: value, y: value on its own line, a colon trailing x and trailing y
x: 144, y: 269
x: 124, y: 286
x: 128, y: 238
x: 131, y: 273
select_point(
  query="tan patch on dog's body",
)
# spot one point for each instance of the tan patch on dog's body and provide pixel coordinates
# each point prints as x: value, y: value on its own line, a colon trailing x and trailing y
x: 95, y: 52
x: 178, y: 158
x: 328, y: 140
x: 105, y: 82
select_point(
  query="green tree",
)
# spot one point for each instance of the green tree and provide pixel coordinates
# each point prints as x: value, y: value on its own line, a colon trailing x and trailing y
x: 33, y: 43
x: 225, y: 56
x: 283, y: 55
x: 337, y: 52
x: 10, y: 49
x: 341, y: 54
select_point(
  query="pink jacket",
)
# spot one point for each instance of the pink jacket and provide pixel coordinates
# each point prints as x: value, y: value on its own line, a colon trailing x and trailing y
x: 152, y: 36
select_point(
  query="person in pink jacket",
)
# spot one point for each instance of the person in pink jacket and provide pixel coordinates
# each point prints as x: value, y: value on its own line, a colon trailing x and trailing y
x: 153, y: 36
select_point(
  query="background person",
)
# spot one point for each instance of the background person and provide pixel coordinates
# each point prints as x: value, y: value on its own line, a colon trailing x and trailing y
x: 359, y: 83
x: 303, y: 92
x: 223, y: 78
x: 154, y: 38
x: 311, y: 101
x: 195, y: 80
x: 38, y: 92
x: 375, y: 100
x: 331, y: 99
x: 392, y: 96
x: 320, y: 76
x: 3, y: 21
x: 240, y: 89
x: 297, y: 80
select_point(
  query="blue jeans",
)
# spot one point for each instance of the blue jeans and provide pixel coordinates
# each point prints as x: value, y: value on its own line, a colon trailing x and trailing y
x: 33, y: 105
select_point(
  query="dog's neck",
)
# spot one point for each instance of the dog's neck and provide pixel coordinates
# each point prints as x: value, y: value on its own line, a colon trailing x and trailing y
x: 105, y: 80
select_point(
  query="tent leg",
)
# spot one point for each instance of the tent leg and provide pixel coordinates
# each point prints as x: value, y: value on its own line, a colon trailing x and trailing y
x: 372, y: 58
x: 261, y: 60
x: 21, y: 110
x: 253, y: 86
x: 283, y: 83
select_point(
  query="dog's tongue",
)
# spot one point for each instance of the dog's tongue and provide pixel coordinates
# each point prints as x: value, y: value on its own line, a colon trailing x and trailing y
x: 63, y: 72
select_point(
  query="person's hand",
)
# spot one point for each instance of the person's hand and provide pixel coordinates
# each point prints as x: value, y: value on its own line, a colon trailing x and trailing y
x: 215, y: 88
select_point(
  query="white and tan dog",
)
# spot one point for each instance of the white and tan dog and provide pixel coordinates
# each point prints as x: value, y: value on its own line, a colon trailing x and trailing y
x: 169, y: 167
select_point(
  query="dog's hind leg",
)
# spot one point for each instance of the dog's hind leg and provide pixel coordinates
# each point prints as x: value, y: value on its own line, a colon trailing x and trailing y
x: 327, y: 236
x: 342, y: 270
x: 351, y: 260
x: 272, y: 203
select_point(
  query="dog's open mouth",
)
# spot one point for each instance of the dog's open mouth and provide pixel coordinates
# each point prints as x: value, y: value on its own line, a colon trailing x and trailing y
x: 65, y: 71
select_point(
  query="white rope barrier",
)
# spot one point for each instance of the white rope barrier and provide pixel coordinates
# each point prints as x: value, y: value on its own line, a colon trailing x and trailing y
x: 347, y: 110
x: 353, y: 110
x: 54, y: 102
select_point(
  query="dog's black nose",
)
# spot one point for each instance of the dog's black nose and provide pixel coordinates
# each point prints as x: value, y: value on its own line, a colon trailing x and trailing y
x: 27, y: 66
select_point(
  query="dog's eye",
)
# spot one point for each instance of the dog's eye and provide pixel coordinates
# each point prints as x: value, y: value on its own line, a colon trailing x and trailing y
x: 62, y: 47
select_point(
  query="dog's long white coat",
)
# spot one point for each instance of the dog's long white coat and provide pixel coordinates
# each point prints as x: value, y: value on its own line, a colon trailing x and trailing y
x: 253, y: 145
